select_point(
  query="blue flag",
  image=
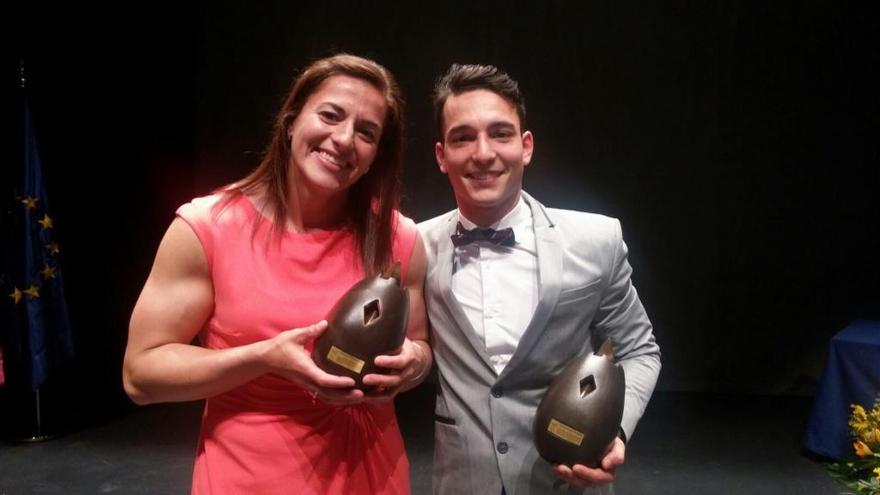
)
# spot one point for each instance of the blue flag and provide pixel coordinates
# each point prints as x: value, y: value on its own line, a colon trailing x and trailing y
x: 38, y: 337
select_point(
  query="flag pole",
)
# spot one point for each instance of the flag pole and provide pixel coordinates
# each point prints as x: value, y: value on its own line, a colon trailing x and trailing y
x: 39, y: 436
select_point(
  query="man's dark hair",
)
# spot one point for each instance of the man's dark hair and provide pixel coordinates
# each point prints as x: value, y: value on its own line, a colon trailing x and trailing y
x: 462, y: 78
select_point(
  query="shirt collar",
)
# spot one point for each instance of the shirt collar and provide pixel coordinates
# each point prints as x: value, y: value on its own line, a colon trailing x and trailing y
x: 519, y: 218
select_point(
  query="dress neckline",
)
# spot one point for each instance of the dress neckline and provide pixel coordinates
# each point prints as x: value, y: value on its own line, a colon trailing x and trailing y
x: 314, y: 234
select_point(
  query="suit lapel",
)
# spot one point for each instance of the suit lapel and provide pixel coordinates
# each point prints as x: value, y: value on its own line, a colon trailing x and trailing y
x: 445, y: 254
x: 550, y: 255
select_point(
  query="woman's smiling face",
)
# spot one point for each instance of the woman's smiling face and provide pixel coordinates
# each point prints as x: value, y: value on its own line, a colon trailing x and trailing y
x: 336, y: 136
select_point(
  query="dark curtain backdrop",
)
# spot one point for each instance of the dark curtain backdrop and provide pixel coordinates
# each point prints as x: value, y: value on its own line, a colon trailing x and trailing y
x: 736, y: 142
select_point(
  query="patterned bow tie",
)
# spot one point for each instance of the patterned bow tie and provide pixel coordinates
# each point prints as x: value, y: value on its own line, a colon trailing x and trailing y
x: 503, y: 237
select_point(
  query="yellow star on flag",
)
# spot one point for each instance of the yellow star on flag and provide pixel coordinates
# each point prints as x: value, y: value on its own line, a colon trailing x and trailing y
x: 47, y: 272
x: 33, y: 291
x: 53, y: 248
x: 16, y: 295
x: 46, y: 222
x: 30, y: 202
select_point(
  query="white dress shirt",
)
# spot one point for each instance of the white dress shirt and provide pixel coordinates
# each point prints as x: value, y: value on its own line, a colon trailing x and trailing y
x: 497, y: 286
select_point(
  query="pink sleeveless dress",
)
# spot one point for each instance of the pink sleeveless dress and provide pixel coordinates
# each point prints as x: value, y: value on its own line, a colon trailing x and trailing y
x: 269, y: 436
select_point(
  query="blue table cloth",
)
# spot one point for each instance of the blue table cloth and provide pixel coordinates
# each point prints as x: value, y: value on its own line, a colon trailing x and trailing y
x: 851, y: 376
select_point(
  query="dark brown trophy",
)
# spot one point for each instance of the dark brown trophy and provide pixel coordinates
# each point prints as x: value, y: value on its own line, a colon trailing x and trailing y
x: 580, y: 414
x: 367, y: 321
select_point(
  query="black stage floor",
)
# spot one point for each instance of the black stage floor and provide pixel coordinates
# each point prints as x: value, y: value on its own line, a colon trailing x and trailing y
x: 686, y: 444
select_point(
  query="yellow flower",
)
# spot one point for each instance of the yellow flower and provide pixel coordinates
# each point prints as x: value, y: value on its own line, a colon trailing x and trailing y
x: 864, y: 474
x: 875, y: 415
x: 870, y: 436
x: 862, y: 450
x: 858, y: 411
x: 859, y: 419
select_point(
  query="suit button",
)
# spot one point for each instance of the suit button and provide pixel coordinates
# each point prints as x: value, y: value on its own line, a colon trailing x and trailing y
x: 497, y: 392
x: 502, y: 447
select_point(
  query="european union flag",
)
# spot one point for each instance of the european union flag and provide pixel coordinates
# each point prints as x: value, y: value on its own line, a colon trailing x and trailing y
x: 38, y: 336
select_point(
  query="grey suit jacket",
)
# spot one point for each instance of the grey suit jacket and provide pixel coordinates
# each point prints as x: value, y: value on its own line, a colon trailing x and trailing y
x: 483, y: 421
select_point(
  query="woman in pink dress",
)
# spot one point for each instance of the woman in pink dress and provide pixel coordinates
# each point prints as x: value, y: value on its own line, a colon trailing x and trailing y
x: 254, y: 268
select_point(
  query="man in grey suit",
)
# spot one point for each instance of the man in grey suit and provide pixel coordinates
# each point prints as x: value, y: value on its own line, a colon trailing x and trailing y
x: 510, y: 306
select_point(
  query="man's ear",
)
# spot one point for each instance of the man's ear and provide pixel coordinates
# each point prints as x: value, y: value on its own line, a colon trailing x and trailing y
x: 440, y: 155
x: 528, y: 142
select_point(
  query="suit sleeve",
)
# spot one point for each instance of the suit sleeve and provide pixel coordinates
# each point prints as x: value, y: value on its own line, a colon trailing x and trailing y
x: 622, y: 318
